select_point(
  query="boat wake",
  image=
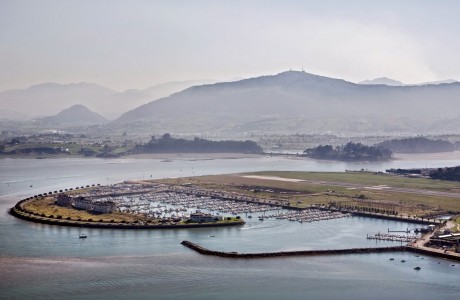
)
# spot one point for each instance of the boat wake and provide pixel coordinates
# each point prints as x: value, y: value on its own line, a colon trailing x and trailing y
x: 259, y: 227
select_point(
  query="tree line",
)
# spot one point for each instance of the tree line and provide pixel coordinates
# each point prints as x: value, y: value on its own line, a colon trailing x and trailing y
x: 452, y: 174
x: 168, y: 144
x: 349, y: 152
x: 417, y: 145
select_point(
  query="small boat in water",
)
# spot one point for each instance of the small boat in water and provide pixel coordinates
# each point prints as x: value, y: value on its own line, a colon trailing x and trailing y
x: 82, y: 235
x: 417, y: 268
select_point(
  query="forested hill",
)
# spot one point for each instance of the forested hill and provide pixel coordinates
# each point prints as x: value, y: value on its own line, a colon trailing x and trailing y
x: 168, y: 144
x: 349, y: 152
x: 417, y: 145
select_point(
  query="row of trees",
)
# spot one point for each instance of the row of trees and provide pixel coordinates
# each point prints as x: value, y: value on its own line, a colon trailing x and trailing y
x: 452, y: 174
x: 349, y: 152
x: 168, y: 144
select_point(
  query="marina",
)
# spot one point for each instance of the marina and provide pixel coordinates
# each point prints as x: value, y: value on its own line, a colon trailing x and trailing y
x: 166, y: 202
x: 392, y: 237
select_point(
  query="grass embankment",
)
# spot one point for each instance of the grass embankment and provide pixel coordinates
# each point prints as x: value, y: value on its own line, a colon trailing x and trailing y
x: 304, y: 194
x: 46, y: 207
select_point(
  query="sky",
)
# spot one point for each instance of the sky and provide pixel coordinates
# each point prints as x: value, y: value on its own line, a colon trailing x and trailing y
x: 139, y: 43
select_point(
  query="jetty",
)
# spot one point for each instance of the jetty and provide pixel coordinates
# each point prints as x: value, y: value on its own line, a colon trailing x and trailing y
x: 205, y: 251
x: 233, y: 254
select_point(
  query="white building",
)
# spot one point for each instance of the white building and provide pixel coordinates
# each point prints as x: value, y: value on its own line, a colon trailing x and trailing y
x: 82, y: 203
x: 200, y: 217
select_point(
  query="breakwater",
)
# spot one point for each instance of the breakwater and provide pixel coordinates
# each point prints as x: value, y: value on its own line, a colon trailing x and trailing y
x: 424, y: 251
x: 397, y: 218
x: 205, y: 251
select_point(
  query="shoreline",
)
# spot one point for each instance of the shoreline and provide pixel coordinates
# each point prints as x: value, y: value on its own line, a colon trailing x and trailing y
x: 455, y: 155
x: 14, y: 211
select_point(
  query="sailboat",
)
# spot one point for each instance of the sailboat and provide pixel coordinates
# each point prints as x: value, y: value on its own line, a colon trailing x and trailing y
x: 82, y: 235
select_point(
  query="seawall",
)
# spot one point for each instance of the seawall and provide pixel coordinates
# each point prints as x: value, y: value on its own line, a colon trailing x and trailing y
x: 61, y: 222
x: 205, y: 251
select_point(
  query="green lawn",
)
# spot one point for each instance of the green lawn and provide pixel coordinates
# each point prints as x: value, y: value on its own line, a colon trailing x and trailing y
x: 371, y: 179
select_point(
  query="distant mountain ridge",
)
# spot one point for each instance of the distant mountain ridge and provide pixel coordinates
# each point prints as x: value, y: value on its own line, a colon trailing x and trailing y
x: 75, y: 115
x: 50, y: 98
x: 393, y: 82
x: 299, y: 101
x: 382, y: 80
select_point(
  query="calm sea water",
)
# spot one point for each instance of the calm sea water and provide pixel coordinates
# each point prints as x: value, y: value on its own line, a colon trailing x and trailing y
x: 41, y: 261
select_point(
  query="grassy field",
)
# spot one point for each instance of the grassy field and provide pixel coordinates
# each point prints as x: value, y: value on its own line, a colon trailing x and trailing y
x: 47, y: 207
x: 370, y: 178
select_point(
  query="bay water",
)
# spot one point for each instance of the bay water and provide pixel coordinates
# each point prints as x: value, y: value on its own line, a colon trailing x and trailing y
x: 42, y: 261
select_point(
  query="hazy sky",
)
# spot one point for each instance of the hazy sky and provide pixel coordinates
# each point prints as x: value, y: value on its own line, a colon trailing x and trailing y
x: 139, y: 43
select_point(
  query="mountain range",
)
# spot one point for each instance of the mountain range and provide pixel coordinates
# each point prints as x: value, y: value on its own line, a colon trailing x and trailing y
x: 296, y: 101
x: 50, y: 98
x: 393, y: 82
x: 288, y: 102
